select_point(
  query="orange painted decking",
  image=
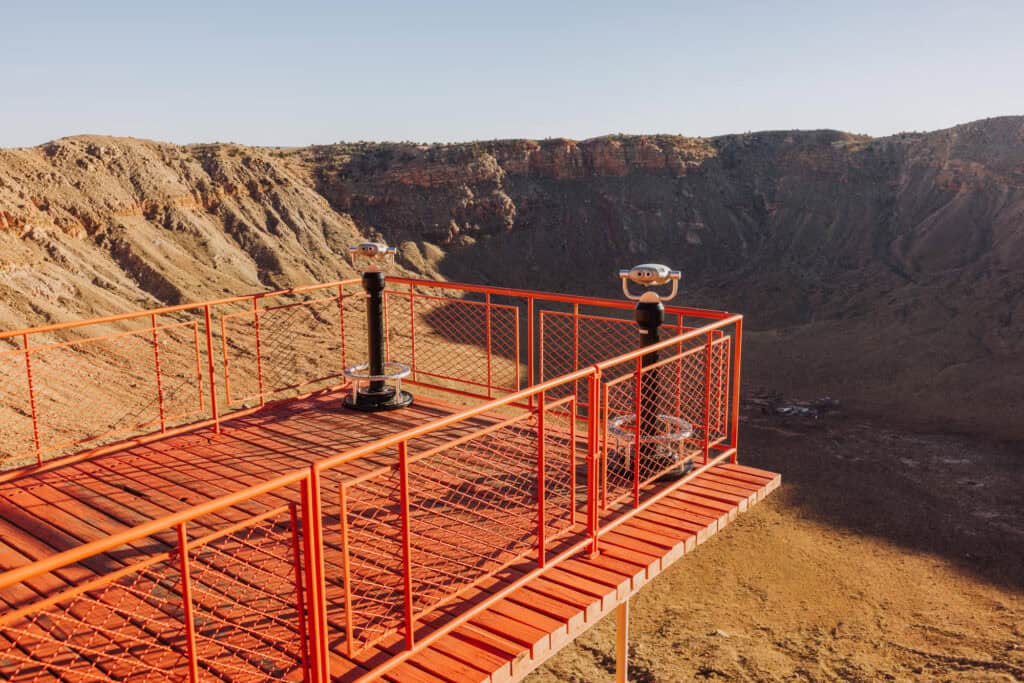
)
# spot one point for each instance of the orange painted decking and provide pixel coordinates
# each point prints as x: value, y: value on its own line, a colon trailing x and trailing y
x: 516, y: 635
x: 87, y: 500
x: 464, y: 538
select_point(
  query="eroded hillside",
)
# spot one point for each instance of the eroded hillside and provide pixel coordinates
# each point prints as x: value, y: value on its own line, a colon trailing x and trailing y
x: 887, y: 272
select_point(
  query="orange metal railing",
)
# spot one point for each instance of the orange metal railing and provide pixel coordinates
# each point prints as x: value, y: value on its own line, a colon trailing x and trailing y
x: 263, y: 583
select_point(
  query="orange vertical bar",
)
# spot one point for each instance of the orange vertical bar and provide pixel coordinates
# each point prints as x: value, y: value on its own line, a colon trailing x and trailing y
x: 540, y: 480
x: 723, y: 383
x: 603, y: 469
x: 224, y: 353
x: 199, y: 363
x: 341, y: 323
x: 593, y: 403
x: 215, y: 414
x: 679, y: 371
x: 259, y: 352
x: 159, y: 375
x: 707, y: 397
x: 32, y: 399
x: 530, y: 348
x: 312, y: 545
x: 540, y: 341
x: 403, y: 471
x: 572, y: 457
x: 346, y: 571
x: 515, y: 313
x: 186, y: 604
x: 387, y: 326
x: 637, y: 398
x: 412, y: 333
x: 575, y: 337
x: 487, y: 312
x: 300, y: 604
x: 734, y: 437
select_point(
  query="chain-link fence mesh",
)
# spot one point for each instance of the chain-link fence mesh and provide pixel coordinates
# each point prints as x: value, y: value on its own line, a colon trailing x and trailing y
x: 106, y: 619
x: 100, y: 387
x: 371, y: 559
x: 15, y: 410
x: 679, y: 413
x: 127, y: 629
x: 570, y: 341
x: 447, y: 341
x: 246, y: 596
x: 473, y: 509
x: 283, y: 349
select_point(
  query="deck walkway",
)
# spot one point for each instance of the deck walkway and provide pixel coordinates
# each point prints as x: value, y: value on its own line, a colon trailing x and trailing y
x: 61, y: 508
x: 45, y: 512
x: 518, y: 633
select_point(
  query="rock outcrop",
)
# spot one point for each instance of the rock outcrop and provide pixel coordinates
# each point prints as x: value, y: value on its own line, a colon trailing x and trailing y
x: 887, y: 271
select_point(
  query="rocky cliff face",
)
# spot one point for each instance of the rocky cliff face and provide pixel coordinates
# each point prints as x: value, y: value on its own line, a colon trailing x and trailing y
x: 889, y: 272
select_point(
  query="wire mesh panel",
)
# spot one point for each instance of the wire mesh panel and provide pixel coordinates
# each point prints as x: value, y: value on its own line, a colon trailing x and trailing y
x: 472, y: 507
x: 450, y: 341
x: 88, y: 390
x: 570, y: 341
x: 562, y: 448
x: 371, y: 558
x: 246, y: 597
x: 720, y: 365
x: 129, y: 629
x: 16, y: 441
x: 656, y: 416
x: 181, y: 387
x: 285, y: 348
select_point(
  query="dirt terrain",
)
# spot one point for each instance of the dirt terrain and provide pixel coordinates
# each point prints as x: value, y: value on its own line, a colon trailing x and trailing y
x: 886, y: 555
x: 885, y: 273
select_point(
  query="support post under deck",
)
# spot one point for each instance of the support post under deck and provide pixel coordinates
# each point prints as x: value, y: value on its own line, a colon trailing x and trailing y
x: 622, y: 642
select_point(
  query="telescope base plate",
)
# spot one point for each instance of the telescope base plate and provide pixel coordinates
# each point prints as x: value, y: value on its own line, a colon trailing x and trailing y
x: 374, y: 402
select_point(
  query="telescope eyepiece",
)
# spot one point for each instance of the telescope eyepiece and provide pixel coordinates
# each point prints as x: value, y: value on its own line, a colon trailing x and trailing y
x: 649, y: 275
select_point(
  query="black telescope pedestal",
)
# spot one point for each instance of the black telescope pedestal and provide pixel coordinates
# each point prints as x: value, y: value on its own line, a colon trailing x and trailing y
x: 377, y: 394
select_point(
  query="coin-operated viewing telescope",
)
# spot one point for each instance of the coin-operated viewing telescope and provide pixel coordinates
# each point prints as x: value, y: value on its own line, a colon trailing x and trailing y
x: 376, y: 384
x: 661, y: 433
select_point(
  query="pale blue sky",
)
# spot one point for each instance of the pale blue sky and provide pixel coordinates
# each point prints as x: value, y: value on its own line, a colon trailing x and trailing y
x: 293, y: 73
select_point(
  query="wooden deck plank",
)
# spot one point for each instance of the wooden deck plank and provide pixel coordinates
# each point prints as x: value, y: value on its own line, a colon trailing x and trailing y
x: 65, y: 506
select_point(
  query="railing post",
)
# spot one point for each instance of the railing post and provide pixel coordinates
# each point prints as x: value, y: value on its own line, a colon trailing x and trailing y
x: 159, y: 374
x: 540, y: 481
x: 32, y: 399
x: 259, y: 352
x: 403, y: 470
x: 530, y: 346
x: 186, y: 603
x: 412, y: 337
x: 487, y: 313
x: 210, y: 371
x: 346, y: 571
x: 341, y: 323
x: 575, y: 337
x: 603, y: 446
x: 572, y: 455
x: 199, y: 363
x: 707, y: 397
x: 638, y: 400
x: 593, y: 418
x: 734, y: 437
x: 312, y: 546
x: 224, y: 353
x: 300, y: 603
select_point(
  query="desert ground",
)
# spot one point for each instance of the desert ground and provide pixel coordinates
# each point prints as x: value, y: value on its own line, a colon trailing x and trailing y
x: 886, y: 272
x: 887, y: 554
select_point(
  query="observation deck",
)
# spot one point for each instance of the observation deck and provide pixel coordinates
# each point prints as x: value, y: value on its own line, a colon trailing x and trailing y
x: 185, y: 496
